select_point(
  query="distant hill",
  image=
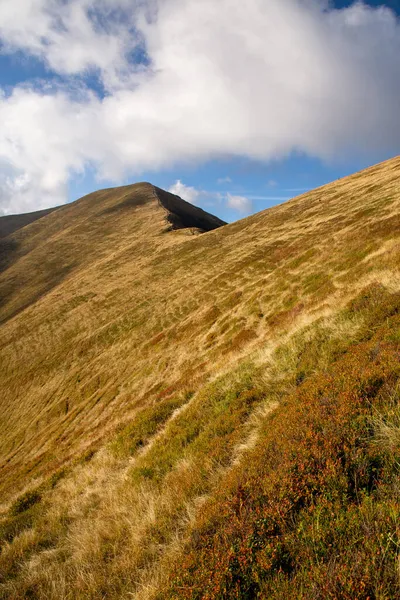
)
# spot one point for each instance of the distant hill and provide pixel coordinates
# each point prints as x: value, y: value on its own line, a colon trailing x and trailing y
x: 193, y: 409
x: 11, y: 223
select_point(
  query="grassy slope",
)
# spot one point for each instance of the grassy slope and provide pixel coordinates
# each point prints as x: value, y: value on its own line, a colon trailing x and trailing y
x: 314, y: 512
x: 172, y: 353
x: 11, y: 223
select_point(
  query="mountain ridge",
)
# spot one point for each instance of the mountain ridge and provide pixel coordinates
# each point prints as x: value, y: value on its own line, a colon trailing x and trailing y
x: 107, y: 207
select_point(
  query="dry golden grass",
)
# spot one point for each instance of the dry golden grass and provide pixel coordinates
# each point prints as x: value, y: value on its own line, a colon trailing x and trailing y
x: 142, y: 361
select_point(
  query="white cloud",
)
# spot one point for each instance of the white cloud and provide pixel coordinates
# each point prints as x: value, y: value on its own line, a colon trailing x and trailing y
x: 239, y: 203
x: 188, y: 193
x: 223, y: 78
x: 208, y: 199
x: 71, y: 37
x: 224, y: 180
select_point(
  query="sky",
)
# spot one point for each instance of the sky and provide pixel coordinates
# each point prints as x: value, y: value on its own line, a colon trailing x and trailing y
x: 235, y: 106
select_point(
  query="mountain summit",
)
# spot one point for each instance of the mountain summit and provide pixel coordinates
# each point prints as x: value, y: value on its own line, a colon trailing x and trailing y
x: 180, y: 213
x: 42, y: 248
x: 193, y: 409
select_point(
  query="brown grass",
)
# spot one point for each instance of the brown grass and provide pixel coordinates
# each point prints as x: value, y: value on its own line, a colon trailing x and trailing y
x: 137, y: 365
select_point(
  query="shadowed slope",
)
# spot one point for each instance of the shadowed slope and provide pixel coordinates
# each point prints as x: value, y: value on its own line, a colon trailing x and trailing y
x: 145, y: 367
x: 11, y: 223
x: 181, y: 214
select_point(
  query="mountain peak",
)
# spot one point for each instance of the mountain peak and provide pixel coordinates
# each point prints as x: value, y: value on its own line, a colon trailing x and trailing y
x: 39, y: 249
x: 182, y: 214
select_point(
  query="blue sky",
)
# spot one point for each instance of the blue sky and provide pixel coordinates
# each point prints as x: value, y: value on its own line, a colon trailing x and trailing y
x: 235, y: 106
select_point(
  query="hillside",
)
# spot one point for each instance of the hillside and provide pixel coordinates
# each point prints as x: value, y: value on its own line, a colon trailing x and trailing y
x: 191, y: 409
x: 11, y: 223
x: 38, y: 257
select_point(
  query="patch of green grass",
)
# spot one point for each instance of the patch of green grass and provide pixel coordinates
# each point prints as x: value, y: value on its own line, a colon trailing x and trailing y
x: 57, y: 476
x: 25, y: 501
x: 15, y: 523
x: 207, y: 430
x: 314, y: 511
x: 315, y: 281
x: 147, y: 422
x: 303, y: 258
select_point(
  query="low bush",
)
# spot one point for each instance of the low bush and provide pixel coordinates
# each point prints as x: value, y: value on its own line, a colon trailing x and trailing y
x: 314, y: 512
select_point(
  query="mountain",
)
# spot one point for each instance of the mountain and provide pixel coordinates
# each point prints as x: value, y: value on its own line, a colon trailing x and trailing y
x: 38, y: 257
x: 192, y: 409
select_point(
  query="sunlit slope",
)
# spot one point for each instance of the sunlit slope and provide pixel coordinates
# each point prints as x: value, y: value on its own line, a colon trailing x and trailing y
x: 36, y: 258
x: 209, y: 415
x: 312, y: 508
x: 107, y: 309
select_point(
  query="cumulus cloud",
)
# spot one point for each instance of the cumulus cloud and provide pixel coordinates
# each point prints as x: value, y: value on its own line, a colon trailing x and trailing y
x: 239, y: 203
x: 73, y: 36
x: 190, y: 81
x: 187, y: 192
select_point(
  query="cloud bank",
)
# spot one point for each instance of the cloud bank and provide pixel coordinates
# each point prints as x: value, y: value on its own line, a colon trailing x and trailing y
x: 182, y: 80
